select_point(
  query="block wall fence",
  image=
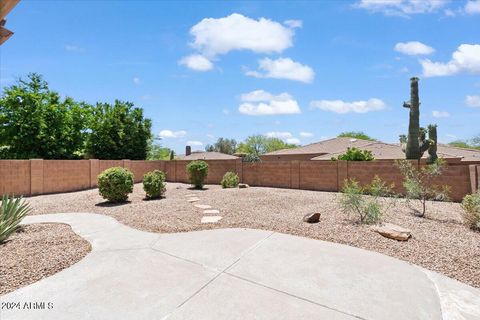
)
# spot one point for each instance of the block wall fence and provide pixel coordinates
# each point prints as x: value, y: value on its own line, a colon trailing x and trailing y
x: 37, y: 176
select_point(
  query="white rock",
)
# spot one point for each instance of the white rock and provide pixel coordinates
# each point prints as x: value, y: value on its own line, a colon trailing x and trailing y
x: 213, y: 211
x: 211, y: 219
x: 193, y: 199
x: 203, y: 206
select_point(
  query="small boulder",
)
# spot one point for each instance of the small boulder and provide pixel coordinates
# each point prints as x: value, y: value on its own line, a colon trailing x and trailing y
x: 243, y: 185
x: 312, y: 217
x: 393, y: 231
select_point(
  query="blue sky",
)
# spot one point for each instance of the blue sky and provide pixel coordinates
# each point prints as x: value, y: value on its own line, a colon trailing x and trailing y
x: 302, y: 71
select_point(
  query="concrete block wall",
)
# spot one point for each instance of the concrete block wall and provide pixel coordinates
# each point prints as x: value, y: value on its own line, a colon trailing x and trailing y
x: 37, y: 176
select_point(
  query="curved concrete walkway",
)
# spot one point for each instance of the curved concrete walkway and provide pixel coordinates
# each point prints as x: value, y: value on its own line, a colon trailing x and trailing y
x: 233, y: 274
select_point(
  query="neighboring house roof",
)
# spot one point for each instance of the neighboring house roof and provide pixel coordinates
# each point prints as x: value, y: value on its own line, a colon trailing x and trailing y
x: 208, y: 156
x: 381, y: 150
x: 465, y: 154
x: 324, y: 147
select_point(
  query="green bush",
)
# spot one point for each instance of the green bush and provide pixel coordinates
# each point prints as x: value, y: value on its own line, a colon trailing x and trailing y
x: 230, y: 180
x: 114, y: 184
x: 366, y: 202
x: 471, y: 213
x: 154, y: 184
x: 354, y: 154
x: 197, y: 172
x: 12, y: 211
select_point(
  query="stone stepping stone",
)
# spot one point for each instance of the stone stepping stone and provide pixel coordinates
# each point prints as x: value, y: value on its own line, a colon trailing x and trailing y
x: 211, y: 219
x: 193, y: 199
x: 203, y: 206
x: 213, y: 211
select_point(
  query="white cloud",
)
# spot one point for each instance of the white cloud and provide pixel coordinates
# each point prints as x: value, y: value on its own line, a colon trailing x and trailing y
x: 172, y: 134
x: 210, y: 136
x: 73, y: 48
x: 286, y: 136
x: 226, y: 111
x: 401, y: 7
x: 472, y: 101
x: 472, y: 7
x: 293, y: 140
x: 196, y: 62
x: 280, y: 135
x: 260, y: 103
x: 440, y: 114
x: 283, y: 68
x: 136, y: 80
x: 214, y: 37
x: 340, y: 106
x: 413, y: 48
x: 465, y: 59
x: 306, y: 134
x: 194, y: 143
x: 293, y: 23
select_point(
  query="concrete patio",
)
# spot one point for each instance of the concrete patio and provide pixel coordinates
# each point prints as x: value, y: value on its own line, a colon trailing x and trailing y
x: 233, y: 274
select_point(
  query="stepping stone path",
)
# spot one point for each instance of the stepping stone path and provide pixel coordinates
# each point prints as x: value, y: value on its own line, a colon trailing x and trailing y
x: 203, y: 206
x: 211, y: 219
x: 208, y: 209
x: 212, y: 211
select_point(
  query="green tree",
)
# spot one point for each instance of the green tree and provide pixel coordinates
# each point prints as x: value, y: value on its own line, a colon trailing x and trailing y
x: 36, y: 123
x: 259, y: 144
x: 223, y: 145
x: 118, y: 131
x: 356, y: 135
x: 157, y: 152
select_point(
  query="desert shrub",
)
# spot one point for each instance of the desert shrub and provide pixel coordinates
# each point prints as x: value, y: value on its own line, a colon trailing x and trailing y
x: 354, y: 154
x: 114, y: 184
x: 230, y: 180
x: 197, y: 172
x: 471, y: 213
x: 154, y: 184
x: 12, y: 212
x: 368, y: 208
x: 379, y: 188
x: 418, y: 182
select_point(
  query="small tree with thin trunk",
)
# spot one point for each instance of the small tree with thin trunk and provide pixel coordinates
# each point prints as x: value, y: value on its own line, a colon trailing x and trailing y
x: 419, y: 185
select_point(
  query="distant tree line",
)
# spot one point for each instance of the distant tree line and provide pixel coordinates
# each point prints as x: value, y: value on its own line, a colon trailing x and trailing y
x: 35, y: 122
x: 254, y: 145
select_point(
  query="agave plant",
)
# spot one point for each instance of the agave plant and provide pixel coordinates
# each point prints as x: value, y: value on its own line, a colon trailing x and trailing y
x: 12, y: 211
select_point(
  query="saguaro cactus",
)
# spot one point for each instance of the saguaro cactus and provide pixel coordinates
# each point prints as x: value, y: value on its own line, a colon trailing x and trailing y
x: 415, y: 144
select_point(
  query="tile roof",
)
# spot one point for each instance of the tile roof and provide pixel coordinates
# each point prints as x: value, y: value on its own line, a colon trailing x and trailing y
x: 323, y: 147
x: 208, y: 156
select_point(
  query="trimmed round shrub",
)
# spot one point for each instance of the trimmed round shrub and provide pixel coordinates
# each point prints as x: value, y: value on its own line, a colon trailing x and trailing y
x: 197, y: 172
x: 154, y: 184
x: 114, y: 184
x: 230, y: 180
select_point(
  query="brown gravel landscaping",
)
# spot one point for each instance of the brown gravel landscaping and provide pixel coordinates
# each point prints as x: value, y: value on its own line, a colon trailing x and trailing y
x: 37, y: 251
x: 440, y: 241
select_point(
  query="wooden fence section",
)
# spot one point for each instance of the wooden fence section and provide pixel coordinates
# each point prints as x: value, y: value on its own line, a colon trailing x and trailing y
x: 37, y: 176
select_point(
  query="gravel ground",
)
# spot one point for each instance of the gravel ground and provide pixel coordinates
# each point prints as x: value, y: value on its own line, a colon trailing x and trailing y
x: 440, y: 242
x: 37, y: 251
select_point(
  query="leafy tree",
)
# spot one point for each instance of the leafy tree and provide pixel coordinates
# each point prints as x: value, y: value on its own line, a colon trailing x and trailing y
x: 157, y: 152
x: 36, y: 123
x: 118, y: 131
x: 259, y: 144
x: 228, y: 146
x: 356, y: 135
